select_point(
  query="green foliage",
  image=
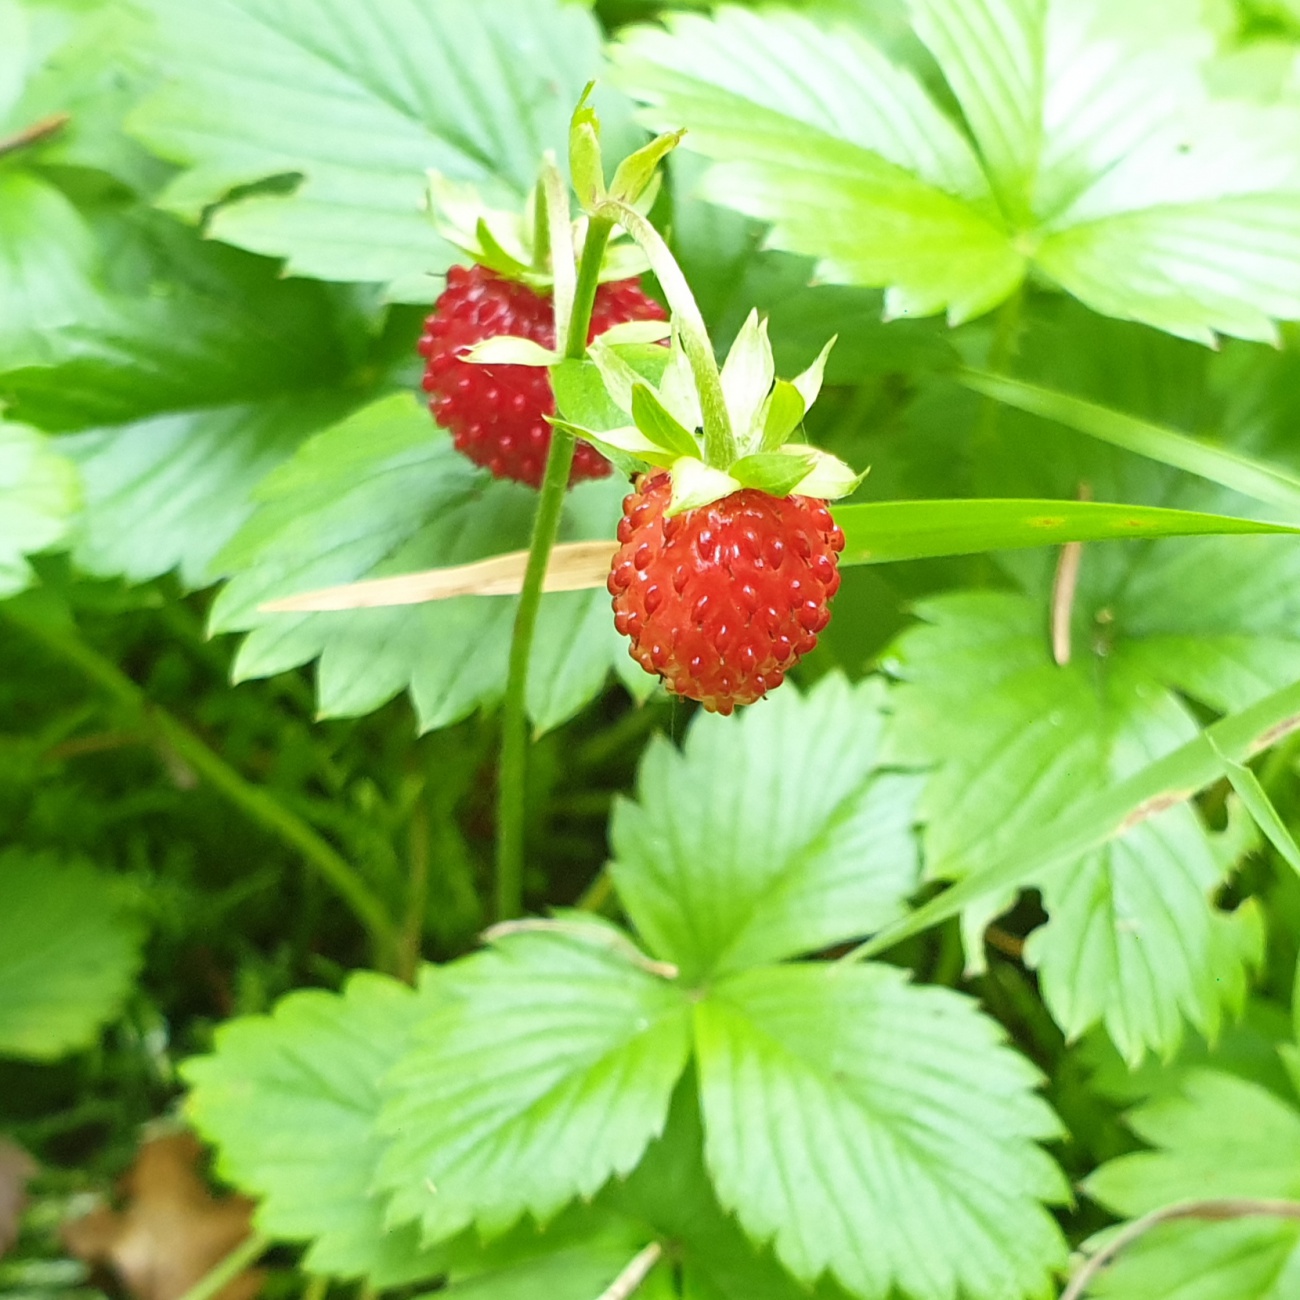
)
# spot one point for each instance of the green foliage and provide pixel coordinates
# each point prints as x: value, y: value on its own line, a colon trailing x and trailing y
x: 70, y: 954
x: 833, y: 999
x: 292, y: 1101
x: 798, y: 855
x: 1079, y: 169
x: 443, y: 88
x: 1221, y: 1137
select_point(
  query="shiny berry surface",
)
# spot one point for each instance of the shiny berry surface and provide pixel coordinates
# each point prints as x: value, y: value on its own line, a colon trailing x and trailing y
x: 496, y: 414
x: 722, y: 601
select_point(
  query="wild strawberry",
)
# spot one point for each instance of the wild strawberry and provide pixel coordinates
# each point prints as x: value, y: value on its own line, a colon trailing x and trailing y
x: 722, y: 600
x: 497, y: 413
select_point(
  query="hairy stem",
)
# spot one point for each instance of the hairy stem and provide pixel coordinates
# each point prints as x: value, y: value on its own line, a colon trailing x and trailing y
x: 546, y: 524
x: 719, y: 438
x: 174, y: 737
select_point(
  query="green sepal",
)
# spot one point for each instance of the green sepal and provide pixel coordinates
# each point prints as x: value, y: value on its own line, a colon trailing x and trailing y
x: 636, y: 331
x: 638, y: 169
x: 776, y: 472
x: 809, y: 384
x: 494, y: 255
x: 582, y: 396
x: 509, y: 350
x: 829, y: 477
x: 624, y: 366
x: 696, y: 484
x: 782, y: 414
x: 586, y: 165
x: 626, y: 447
x: 655, y: 421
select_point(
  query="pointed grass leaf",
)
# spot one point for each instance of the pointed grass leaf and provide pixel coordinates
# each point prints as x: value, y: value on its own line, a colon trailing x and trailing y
x: 69, y: 951
x: 877, y: 1130
x: 1222, y: 465
x: 768, y: 835
x: 291, y: 1100
x: 544, y: 1070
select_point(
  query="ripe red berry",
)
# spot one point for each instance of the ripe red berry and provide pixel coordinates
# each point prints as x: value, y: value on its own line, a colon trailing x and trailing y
x: 722, y: 601
x: 496, y: 413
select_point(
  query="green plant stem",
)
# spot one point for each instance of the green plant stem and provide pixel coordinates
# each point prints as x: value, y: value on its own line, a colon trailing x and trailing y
x: 719, y: 438
x: 254, y: 801
x: 513, y: 771
x: 228, y: 1269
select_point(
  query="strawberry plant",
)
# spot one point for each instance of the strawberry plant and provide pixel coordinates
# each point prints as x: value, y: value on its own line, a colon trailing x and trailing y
x: 650, y: 649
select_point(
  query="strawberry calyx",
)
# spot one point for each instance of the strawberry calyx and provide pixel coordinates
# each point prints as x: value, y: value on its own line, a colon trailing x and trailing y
x: 653, y: 419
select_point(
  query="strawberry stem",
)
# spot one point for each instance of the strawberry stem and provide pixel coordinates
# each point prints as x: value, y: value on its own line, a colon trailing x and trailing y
x: 719, y: 440
x: 546, y: 524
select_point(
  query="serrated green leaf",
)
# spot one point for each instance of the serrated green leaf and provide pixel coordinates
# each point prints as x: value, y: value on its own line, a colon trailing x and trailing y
x: 39, y: 493
x: 48, y: 266
x: 546, y: 1067
x: 896, y: 1156
x: 1102, y: 162
x: 386, y: 492
x: 1132, y: 940
x: 359, y: 105
x: 204, y: 372
x: 69, y: 955
x: 1216, y: 1136
x: 291, y: 1101
x: 769, y: 835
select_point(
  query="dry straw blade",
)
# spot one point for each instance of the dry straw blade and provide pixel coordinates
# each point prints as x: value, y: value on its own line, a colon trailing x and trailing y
x: 574, y: 566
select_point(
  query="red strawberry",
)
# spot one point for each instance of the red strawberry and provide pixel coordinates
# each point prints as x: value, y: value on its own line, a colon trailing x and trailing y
x: 721, y: 601
x: 496, y: 413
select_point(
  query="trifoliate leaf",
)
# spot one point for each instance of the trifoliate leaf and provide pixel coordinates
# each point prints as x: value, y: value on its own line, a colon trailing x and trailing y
x: 39, y: 493
x: 546, y: 1067
x: 386, y: 492
x: 844, y: 154
x: 1102, y: 161
x: 1216, y: 1136
x: 206, y: 372
x: 770, y: 834
x: 879, y: 1131
x: 1132, y: 940
x: 291, y: 1099
x: 68, y: 957
x: 356, y: 105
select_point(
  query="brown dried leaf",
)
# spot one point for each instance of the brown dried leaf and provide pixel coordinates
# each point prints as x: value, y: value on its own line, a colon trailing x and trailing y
x: 171, y: 1232
x: 16, y: 1168
x: 574, y: 566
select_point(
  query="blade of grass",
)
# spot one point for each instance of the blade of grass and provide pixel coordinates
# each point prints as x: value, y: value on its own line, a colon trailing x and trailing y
x: 1230, y: 469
